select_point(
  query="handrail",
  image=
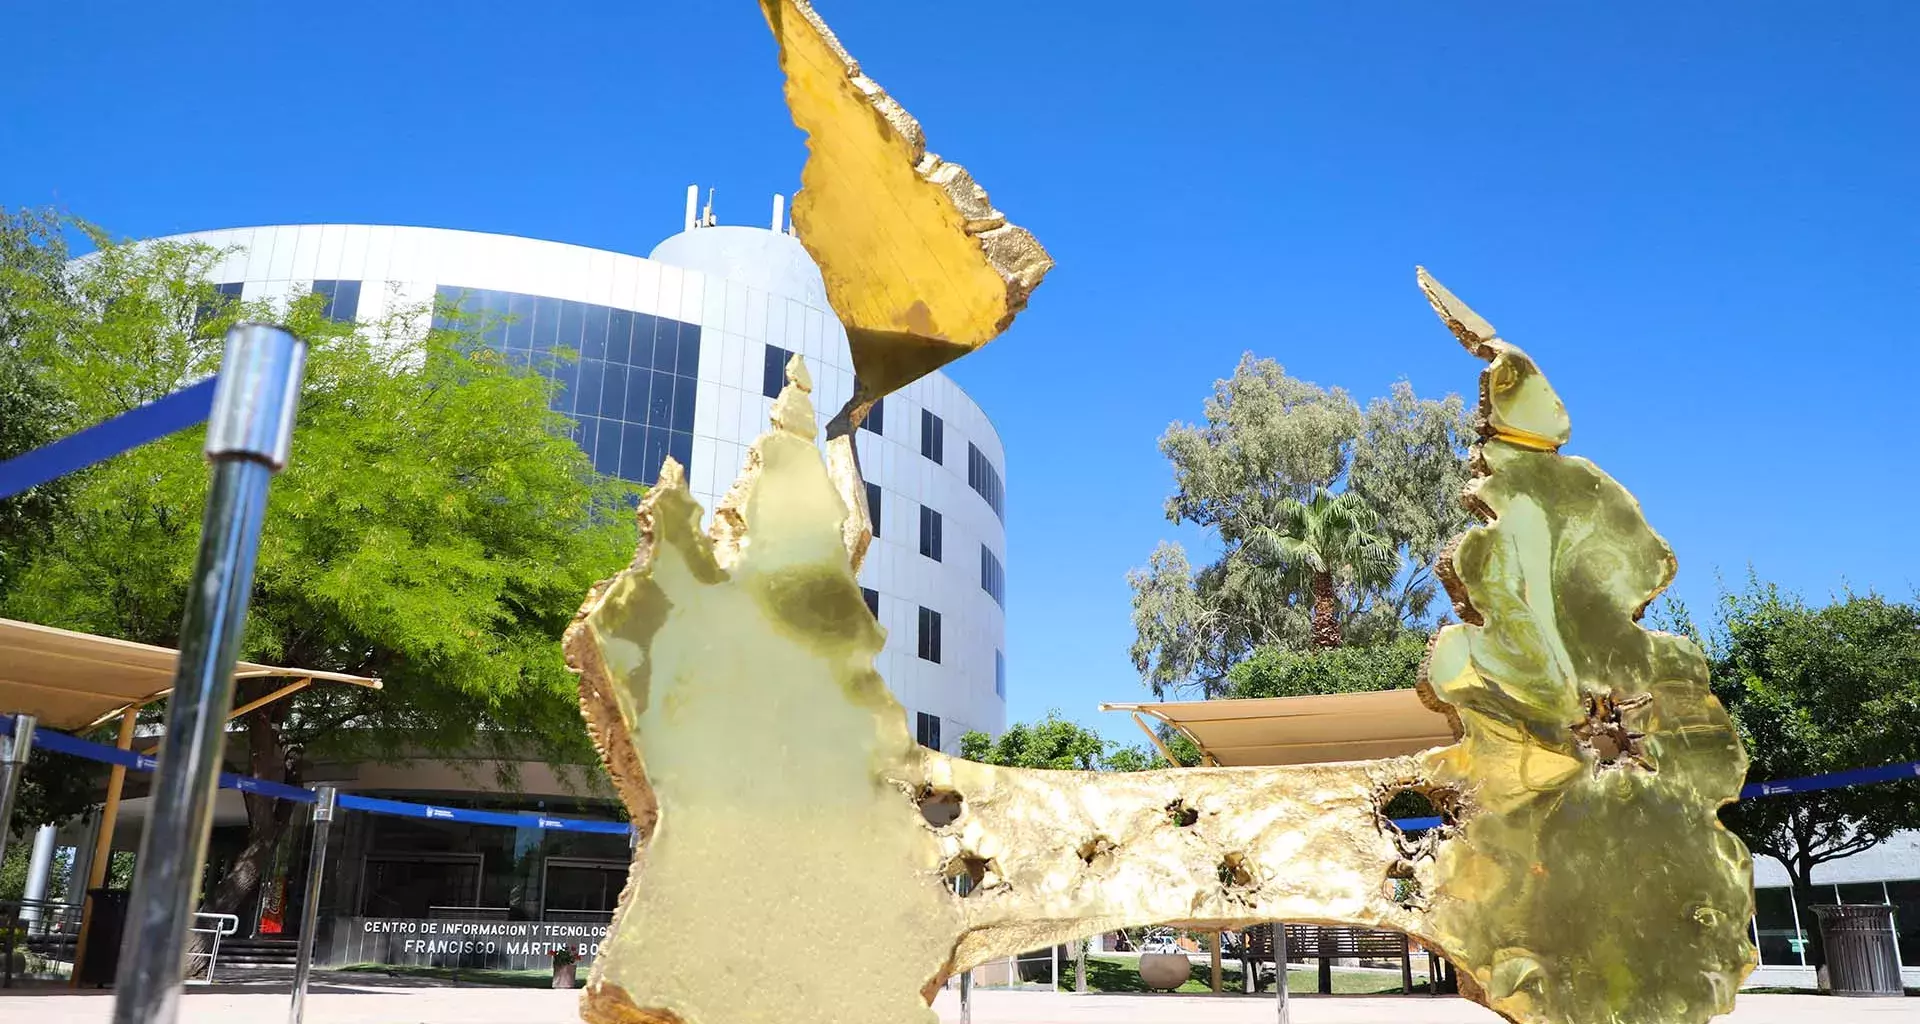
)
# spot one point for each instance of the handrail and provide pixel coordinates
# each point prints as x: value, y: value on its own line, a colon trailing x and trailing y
x: 222, y: 924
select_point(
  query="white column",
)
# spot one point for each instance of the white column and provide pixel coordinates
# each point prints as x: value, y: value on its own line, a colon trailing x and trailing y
x: 38, y: 868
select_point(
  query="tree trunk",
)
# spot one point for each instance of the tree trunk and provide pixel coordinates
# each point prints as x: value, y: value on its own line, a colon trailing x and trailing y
x: 1326, y: 612
x: 1800, y: 872
x: 267, y: 820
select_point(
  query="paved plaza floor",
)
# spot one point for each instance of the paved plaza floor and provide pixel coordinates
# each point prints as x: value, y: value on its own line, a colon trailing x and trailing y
x: 372, y: 999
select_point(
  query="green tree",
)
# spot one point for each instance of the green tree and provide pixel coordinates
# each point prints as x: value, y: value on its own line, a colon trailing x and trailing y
x: 1818, y: 690
x: 1269, y: 446
x: 1054, y: 742
x: 1321, y: 544
x: 33, y: 412
x: 436, y: 527
x: 1291, y: 672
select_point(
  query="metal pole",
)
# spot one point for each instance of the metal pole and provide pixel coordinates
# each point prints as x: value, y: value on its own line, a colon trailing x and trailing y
x: 15, y: 747
x: 966, y: 996
x: 1280, y: 971
x: 310, y: 903
x: 248, y: 437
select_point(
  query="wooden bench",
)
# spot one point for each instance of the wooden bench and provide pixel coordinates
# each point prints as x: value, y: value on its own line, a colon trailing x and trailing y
x: 1317, y: 942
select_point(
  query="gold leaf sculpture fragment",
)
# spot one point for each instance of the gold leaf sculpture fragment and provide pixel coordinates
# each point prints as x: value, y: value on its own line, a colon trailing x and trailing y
x: 728, y: 678
x: 918, y: 264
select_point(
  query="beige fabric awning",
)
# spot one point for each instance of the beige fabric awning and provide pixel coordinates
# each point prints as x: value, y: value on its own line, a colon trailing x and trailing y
x: 1301, y: 730
x: 74, y: 680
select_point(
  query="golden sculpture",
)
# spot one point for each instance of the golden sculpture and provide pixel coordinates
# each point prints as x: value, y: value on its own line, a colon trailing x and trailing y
x: 1581, y: 875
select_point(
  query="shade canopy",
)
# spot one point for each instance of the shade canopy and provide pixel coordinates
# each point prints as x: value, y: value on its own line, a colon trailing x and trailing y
x: 1301, y: 730
x: 72, y: 681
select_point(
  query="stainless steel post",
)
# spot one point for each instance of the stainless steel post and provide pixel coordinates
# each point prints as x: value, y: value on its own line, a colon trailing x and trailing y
x: 15, y: 747
x: 1280, y: 971
x: 310, y: 903
x: 248, y: 437
x: 966, y: 996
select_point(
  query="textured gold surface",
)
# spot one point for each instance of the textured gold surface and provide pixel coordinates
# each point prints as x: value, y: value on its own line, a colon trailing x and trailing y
x: 1582, y: 877
x: 1590, y: 878
x: 728, y: 678
x: 919, y: 265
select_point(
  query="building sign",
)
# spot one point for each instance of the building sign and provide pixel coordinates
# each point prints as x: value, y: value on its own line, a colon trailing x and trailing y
x: 505, y: 945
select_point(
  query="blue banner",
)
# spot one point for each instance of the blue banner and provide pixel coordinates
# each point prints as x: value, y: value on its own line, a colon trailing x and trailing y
x: 131, y: 429
x: 375, y: 805
x: 61, y: 743
x: 1833, y: 780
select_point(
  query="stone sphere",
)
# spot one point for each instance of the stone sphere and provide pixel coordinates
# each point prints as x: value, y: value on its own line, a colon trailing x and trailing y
x: 1165, y: 970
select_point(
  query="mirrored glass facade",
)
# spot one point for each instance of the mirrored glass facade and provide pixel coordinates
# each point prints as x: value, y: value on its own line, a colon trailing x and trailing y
x: 629, y: 385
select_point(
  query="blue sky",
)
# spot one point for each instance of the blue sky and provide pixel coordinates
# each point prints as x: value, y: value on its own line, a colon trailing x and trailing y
x: 1702, y: 222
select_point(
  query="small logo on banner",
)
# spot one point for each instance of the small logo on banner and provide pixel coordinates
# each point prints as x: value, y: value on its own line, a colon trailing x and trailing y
x: 247, y: 785
x: 1770, y: 789
x: 146, y: 764
x: 439, y: 812
x: 550, y: 823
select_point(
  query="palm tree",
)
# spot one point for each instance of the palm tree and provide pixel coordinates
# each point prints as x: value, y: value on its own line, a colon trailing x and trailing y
x: 1322, y: 543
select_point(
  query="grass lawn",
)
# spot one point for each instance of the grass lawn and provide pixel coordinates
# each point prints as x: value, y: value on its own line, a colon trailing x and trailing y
x: 466, y: 976
x: 1108, y: 975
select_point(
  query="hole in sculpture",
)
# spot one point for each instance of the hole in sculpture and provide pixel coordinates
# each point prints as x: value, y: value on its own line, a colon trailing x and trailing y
x: 1418, y: 803
x: 966, y: 872
x: 1605, y: 734
x: 1096, y: 850
x: 1408, y: 803
x: 1234, y: 872
x: 940, y: 807
x: 1180, y: 814
x: 1402, y: 887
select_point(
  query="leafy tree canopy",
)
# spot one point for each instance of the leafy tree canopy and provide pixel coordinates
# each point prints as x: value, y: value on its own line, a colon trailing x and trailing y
x: 436, y: 526
x: 1292, y: 672
x: 1317, y: 505
x: 1817, y: 690
x: 1055, y: 742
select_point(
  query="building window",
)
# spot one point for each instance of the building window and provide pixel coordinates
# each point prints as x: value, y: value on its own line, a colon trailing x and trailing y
x: 873, y: 507
x: 629, y: 386
x: 933, y: 439
x: 930, y: 533
x: 773, y: 376
x: 984, y: 479
x: 343, y: 300
x: 224, y: 295
x: 927, y: 729
x: 993, y: 578
x: 876, y: 420
x: 872, y: 597
x: 929, y: 635
x: 1905, y: 897
x: 1000, y: 675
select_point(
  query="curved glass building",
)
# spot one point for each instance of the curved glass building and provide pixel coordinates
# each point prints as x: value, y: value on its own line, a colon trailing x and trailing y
x: 680, y: 354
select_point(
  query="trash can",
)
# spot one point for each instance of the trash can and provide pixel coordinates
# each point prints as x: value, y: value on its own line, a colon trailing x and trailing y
x: 1863, y: 957
x: 109, y: 924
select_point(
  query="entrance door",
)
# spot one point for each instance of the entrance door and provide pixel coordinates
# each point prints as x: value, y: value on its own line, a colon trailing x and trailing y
x: 578, y: 889
x: 408, y: 884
